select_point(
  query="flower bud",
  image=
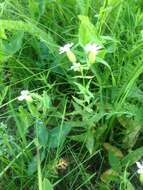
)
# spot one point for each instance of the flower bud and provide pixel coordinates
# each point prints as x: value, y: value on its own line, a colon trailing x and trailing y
x: 92, y: 50
x: 141, y: 178
x: 71, y: 56
x: 92, y: 57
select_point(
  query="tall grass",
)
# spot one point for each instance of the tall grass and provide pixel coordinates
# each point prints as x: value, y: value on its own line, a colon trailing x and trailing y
x: 80, y: 124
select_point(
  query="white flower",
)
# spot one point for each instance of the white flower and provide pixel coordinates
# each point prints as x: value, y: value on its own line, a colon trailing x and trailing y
x: 65, y: 48
x: 92, y: 48
x: 140, y: 167
x: 25, y: 95
x: 76, y: 67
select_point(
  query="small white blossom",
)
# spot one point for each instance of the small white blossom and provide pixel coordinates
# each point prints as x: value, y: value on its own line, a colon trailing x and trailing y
x: 140, y: 167
x: 65, y: 48
x: 25, y: 95
x: 92, y: 48
x: 76, y: 67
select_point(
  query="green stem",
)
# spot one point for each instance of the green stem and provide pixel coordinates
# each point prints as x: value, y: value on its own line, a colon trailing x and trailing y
x: 39, y: 170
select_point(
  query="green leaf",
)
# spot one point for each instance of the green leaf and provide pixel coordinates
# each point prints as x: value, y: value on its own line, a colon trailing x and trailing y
x: 116, y: 151
x: 42, y: 6
x: 18, y: 25
x: 58, y: 135
x: 83, y: 6
x: 114, y: 161
x: 132, y: 157
x: 47, y: 185
x: 90, y: 141
x: 7, y: 49
x: 87, y: 138
x: 109, y: 175
x: 33, y: 110
x: 42, y: 134
x: 103, y: 186
x: 87, y: 32
x: 113, y: 2
x: 129, y: 186
x: 79, y: 138
x: 2, y: 34
x: 25, y: 119
x: 32, y: 166
x: 3, y: 94
x: 132, y: 129
x: 46, y: 102
x: 41, y: 49
x: 99, y: 132
x: 36, y: 8
x: 84, y: 90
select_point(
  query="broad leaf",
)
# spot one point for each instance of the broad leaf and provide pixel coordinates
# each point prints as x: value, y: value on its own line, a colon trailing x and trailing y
x: 32, y: 167
x: 109, y: 175
x: 87, y: 31
x: 25, y: 119
x: 83, y: 6
x: 132, y: 157
x: 58, y: 135
x: 47, y: 185
x: 116, y: 151
x: 114, y: 161
x: 42, y: 135
x: 90, y: 141
x: 129, y: 186
x: 131, y: 132
x: 7, y: 49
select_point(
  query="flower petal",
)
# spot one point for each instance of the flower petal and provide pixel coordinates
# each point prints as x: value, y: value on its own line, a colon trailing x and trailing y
x: 139, y: 165
x: 65, y: 48
x: 92, y: 48
x: 25, y: 92
x: 140, y: 171
x: 88, y: 47
x: 20, y: 98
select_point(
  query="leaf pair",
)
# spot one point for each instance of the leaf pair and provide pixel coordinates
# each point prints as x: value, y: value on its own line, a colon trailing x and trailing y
x: 52, y: 138
x: 8, y: 48
x: 47, y: 185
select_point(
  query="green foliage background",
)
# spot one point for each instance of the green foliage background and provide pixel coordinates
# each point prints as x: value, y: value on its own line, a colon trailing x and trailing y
x: 93, y: 119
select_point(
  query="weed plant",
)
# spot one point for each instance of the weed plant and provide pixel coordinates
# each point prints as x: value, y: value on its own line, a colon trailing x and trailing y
x: 71, y: 94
